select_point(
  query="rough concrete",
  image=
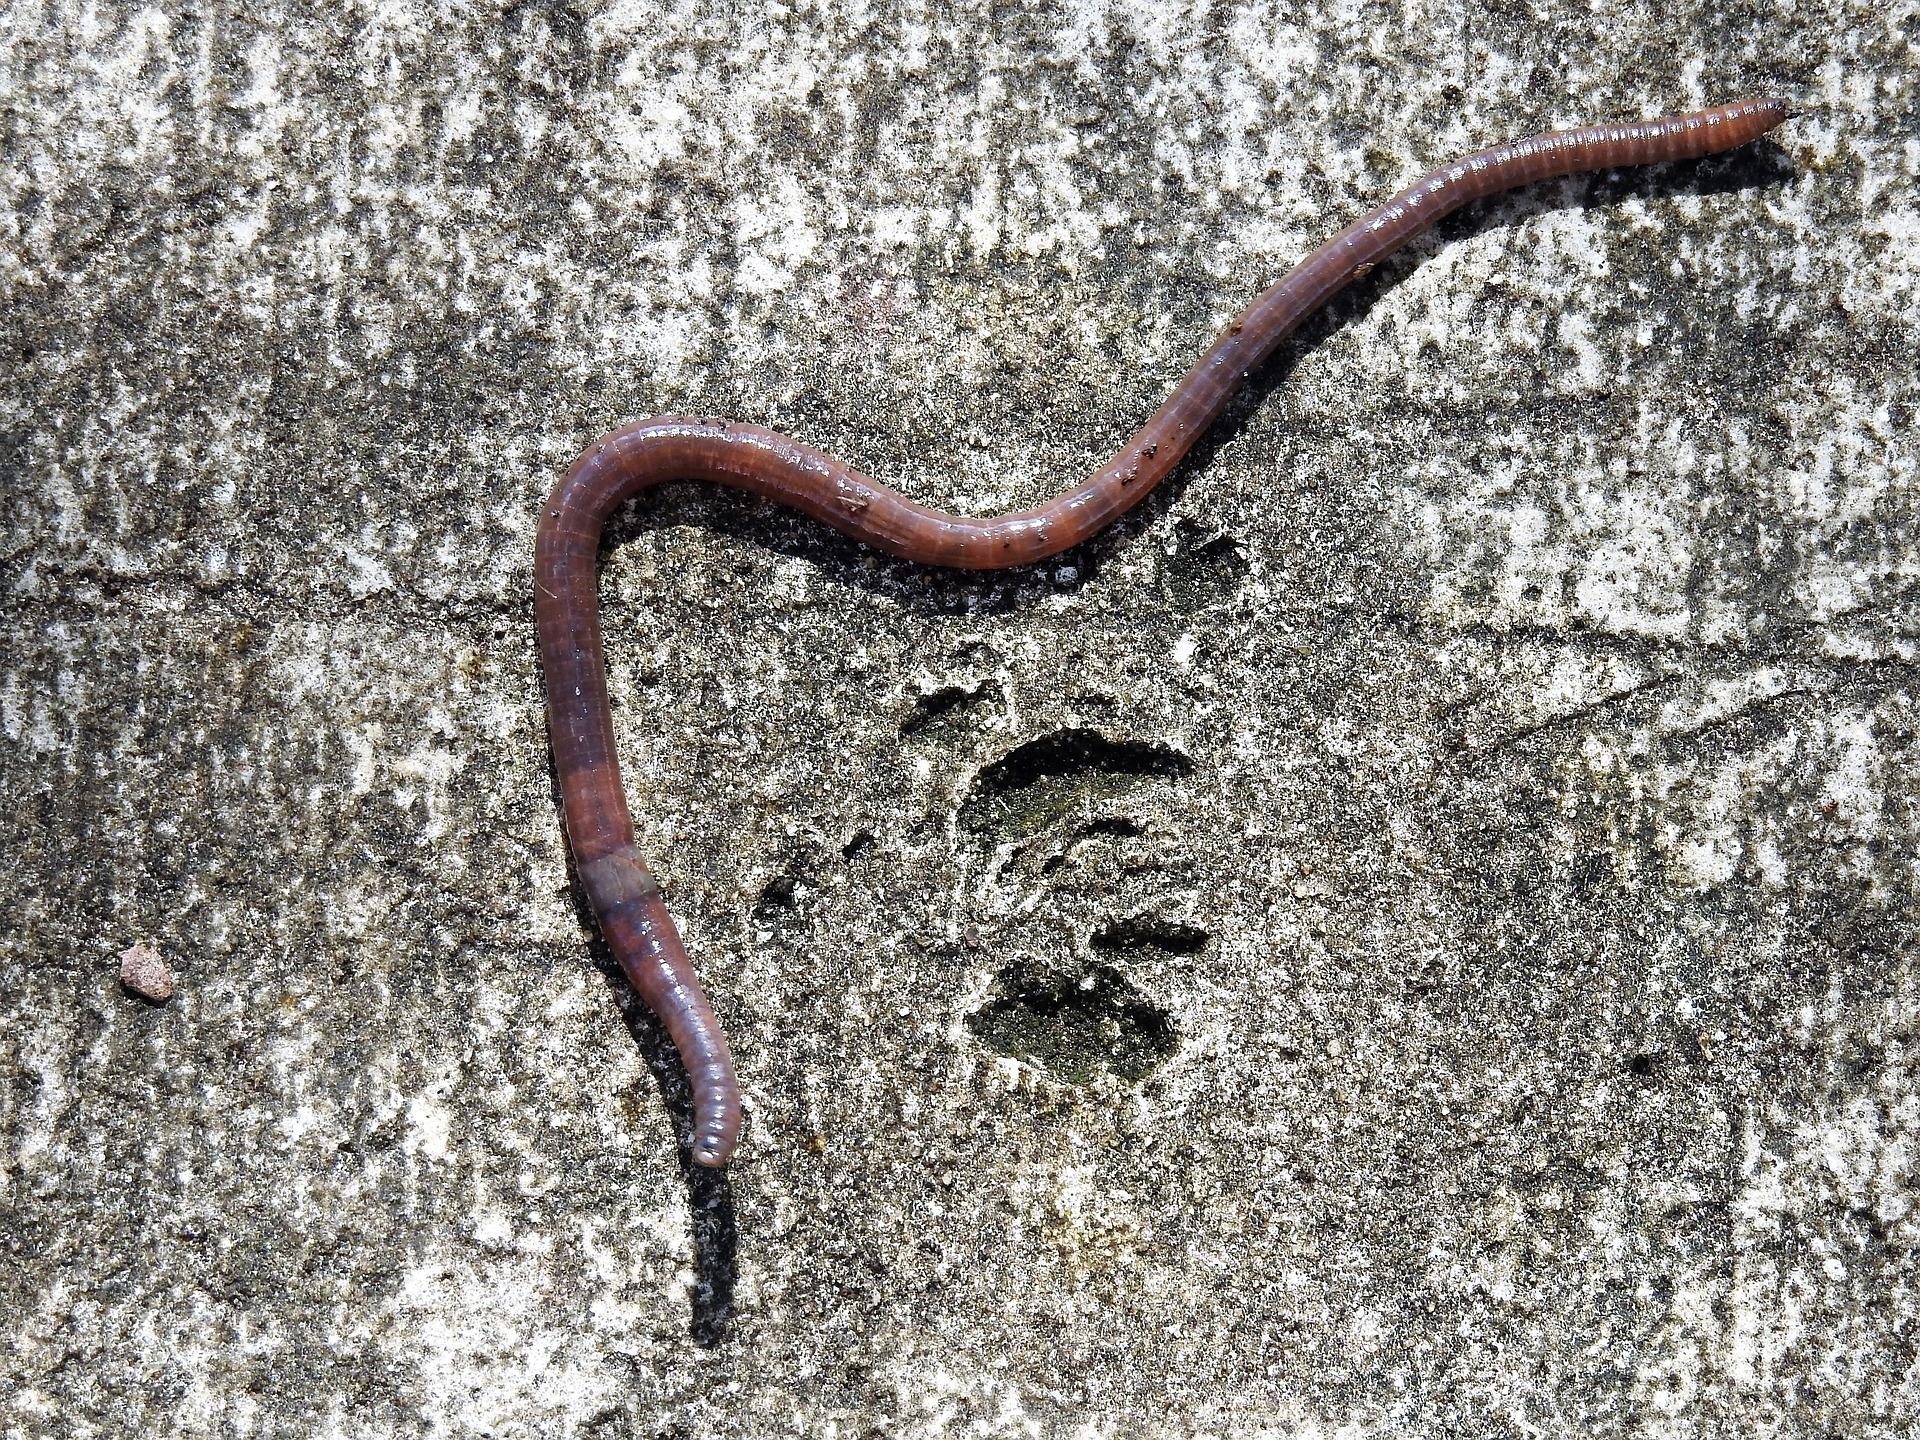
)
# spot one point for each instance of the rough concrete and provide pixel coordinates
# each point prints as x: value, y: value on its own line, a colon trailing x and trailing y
x: 1413, y: 934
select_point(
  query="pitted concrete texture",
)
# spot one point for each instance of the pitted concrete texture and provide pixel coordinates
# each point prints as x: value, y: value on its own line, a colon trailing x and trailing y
x: 1412, y: 934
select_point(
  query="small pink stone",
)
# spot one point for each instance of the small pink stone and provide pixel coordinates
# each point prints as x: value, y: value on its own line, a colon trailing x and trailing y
x: 145, y: 974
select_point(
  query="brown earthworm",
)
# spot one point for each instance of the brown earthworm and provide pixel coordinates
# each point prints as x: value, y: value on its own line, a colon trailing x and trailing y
x: 624, y: 896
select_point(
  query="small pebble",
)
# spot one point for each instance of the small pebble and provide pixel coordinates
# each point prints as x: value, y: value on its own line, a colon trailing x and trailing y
x: 145, y: 974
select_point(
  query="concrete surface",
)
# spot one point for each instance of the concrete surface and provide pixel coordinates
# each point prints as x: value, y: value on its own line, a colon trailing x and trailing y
x: 1411, y: 935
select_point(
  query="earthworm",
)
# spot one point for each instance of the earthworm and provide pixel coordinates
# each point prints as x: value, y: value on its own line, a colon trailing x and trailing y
x: 624, y: 896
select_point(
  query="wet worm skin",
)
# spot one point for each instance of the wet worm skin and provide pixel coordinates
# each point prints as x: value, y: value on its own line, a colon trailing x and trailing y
x: 624, y: 896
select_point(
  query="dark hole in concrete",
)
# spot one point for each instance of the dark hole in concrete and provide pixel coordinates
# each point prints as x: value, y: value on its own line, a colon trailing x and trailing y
x: 947, y: 707
x: 1147, y: 932
x: 1074, y: 1026
x: 779, y: 904
x: 1056, y: 775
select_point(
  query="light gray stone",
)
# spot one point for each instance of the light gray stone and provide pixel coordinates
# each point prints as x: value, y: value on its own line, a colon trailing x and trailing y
x: 144, y: 973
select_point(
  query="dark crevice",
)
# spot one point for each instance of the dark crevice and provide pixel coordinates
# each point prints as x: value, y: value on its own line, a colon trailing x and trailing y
x: 1057, y: 775
x: 1147, y: 932
x: 948, y: 706
x: 779, y: 905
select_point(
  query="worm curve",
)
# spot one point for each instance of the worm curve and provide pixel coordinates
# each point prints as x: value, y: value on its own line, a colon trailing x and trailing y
x: 625, y: 898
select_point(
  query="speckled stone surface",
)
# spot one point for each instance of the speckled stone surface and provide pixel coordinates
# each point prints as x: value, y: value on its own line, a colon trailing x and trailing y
x: 1411, y: 935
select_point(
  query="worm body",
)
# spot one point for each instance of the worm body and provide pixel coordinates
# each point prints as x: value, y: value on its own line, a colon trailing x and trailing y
x: 625, y: 899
